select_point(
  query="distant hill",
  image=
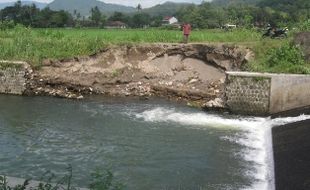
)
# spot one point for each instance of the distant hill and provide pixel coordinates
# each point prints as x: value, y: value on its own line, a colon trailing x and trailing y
x: 235, y: 2
x: 38, y: 4
x: 84, y: 6
x: 283, y: 5
x: 165, y: 9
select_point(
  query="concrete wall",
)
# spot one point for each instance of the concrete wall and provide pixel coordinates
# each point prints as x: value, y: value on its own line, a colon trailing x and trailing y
x: 248, y: 94
x: 289, y: 92
x: 13, y: 77
x: 263, y: 94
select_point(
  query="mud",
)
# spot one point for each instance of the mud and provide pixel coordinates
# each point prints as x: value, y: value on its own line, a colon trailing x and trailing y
x: 193, y: 72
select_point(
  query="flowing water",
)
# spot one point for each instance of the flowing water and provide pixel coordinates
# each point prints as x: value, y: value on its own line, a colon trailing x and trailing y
x: 151, y: 144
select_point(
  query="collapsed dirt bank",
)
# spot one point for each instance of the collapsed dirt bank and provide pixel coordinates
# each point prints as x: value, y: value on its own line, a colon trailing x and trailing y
x: 191, y: 72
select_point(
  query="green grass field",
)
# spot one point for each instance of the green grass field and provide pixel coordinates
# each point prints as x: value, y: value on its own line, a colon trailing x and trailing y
x: 35, y: 45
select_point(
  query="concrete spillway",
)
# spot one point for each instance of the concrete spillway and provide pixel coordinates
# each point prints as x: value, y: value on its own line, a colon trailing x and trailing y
x: 265, y: 93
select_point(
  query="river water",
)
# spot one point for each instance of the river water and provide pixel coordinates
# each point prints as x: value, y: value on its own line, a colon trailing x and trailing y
x: 151, y: 144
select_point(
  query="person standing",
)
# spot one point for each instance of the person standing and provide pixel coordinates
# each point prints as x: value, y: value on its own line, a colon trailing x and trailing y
x: 187, y: 28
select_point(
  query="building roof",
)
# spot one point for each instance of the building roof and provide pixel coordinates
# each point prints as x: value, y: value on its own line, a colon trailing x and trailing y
x: 168, y: 17
x: 115, y: 23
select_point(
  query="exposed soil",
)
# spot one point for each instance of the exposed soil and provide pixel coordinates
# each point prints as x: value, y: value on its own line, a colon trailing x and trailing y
x: 191, y: 72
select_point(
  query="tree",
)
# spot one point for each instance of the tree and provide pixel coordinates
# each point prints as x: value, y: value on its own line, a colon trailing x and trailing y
x: 139, y: 7
x: 140, y: 20
x: 95, y: 15
x: 61, y: 19
x: 118, y: 16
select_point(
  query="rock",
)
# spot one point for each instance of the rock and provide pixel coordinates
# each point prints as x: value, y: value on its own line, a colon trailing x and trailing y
x: 193, y: 81
x: 47, y: 62
x: 216, y: 103
x: 222, y: 81
x: 80, y: 97
x: 169, y: 83
x: 180, y: 85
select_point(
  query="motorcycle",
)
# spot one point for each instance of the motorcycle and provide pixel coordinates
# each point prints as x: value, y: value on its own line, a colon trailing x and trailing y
x: 269, y: 32
x: 276, y: 33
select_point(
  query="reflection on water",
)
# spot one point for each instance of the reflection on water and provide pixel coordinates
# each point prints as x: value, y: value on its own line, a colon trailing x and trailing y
x: 148, y: 144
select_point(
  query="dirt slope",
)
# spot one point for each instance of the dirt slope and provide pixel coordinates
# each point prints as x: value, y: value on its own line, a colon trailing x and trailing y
x: 192, y: 72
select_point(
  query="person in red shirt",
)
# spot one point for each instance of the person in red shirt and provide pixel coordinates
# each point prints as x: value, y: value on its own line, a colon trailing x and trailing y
x: 186, y: 31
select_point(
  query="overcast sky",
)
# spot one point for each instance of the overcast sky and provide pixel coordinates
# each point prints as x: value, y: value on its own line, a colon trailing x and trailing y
x: 144, y: 3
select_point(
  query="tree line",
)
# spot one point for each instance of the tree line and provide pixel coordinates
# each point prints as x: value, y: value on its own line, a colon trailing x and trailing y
x: 274, y: 12
x: 205, y: 15
x: 30, y: 15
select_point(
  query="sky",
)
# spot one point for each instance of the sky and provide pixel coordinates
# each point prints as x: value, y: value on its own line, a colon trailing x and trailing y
x: 144, y: 3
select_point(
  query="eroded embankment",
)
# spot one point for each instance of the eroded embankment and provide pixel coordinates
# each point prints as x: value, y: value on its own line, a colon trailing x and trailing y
x: 192, y: 72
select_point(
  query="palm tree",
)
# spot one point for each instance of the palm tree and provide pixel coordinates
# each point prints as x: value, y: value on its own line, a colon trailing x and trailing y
x: 139, y: 7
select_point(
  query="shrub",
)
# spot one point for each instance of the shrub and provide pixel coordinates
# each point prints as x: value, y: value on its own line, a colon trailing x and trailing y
x: 287, y: 59
x: 104, y: 181
x: 304, y: 26
x: 100, y: 181
x: 5, y: 25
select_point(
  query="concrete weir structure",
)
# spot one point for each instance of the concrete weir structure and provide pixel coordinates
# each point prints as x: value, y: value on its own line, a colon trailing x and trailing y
x: 266, y: 93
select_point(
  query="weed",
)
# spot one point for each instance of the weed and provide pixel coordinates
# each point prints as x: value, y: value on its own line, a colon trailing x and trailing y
x: 100, y: 181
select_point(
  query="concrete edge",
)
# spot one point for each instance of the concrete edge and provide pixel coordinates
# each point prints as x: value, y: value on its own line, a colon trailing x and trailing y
x: 256, y: 74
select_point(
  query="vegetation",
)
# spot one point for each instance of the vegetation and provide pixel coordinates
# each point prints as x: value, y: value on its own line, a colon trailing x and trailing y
x: 30, y: 15
x: 7, y: 65
x: 100, y: 181
x: 288, y: 58
x: 92, y: 13
x: 248, y: 13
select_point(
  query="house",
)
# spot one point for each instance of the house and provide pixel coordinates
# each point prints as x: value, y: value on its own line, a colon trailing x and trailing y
x: 116, y: 24
x: 169, y: 20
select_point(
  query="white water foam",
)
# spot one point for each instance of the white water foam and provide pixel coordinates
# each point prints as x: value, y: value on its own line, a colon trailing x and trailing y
x: 257, y: 137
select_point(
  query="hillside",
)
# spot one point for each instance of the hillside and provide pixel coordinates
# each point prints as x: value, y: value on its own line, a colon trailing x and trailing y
x: 165, y: 9
x: 235, y: 2
x: 38, y: 4
x: 284, y: 5
x: 84, y: 6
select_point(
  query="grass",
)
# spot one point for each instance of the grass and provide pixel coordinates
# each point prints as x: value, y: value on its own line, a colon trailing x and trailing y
x: 7, y: 65
x: 35, y: 45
